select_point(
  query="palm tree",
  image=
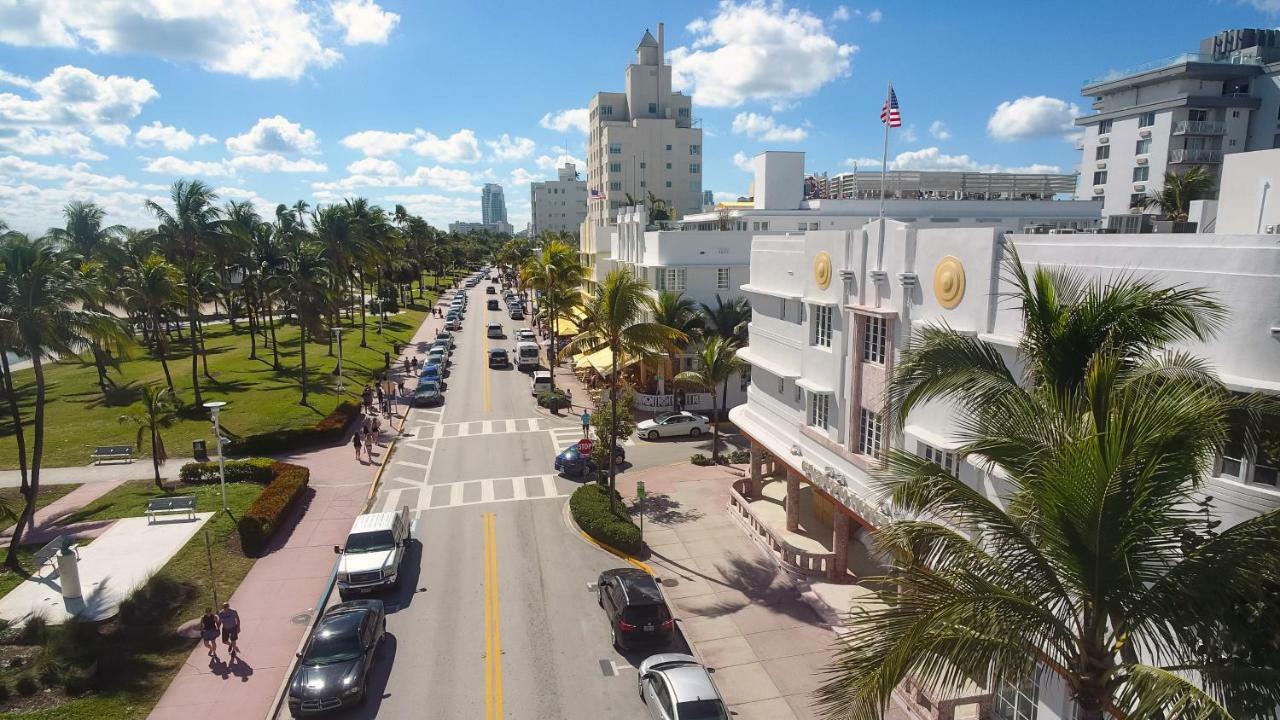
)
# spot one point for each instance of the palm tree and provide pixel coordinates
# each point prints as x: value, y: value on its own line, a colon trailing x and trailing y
x: 729, y: 320
x: 1096, y: 564
x: 555, y: 272
x: 305, y: 281
x: 84, y: 235
x: 192, y: 222
x: 677, y: 312
x: 717, y: 362
x: 616, y: 319
x: 266, y: 262
x: 152, y: 290
x: 155, y: 412
x: 47, y: 311
x: 1177, y: 190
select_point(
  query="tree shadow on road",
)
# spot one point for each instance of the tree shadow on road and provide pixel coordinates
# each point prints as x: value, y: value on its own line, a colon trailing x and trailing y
x: 665, y: 510
x: 759, y: 581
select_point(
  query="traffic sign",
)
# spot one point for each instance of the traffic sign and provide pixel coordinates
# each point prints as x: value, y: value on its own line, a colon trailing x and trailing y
x: 640, y: 493
x: 585, y: 446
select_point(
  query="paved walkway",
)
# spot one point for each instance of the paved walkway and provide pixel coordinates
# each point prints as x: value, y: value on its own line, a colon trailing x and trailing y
x: 110, y: 472
x: 45, y: 525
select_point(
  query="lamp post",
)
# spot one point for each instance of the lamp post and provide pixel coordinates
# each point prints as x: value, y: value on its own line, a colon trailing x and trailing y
x: 214, y: 406
x: 337, y: 336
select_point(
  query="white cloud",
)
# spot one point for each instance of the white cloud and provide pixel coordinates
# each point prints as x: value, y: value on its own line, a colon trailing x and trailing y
x: 939, y: 130
x: 547, y: 162
x: 364, y: 21
x: 439, y: 210
x: 460, y: 147
x: 256, y: 38
x: 274, y: 135
x: 931, y: 158
x: 1266, y: 6
x: 170, y: 165
x: 1029, y: 117
x: 875, y: 16
x: 506, y: 148
x: 167, y: 136
x: 53, y: 141
x: 721, y: 196
x: 116, y: 135
x: 566, y: 120
x: 908, y: 133
x: 743, y: 162
x: 763, y: 127
x: 74, y: 176
x: 377, y: 143
x: 373, y: 166
x: 75, y: 96
x: 758, y: 50
x: 520, y: 177
x: 382, y: 175
x: 274, y: 162
x: 841, y: 13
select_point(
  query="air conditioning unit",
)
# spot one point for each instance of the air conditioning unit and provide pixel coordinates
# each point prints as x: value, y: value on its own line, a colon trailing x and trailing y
x: 1099, y: 189
x: 1103, y: 139
x: 1141, y: 160
x: 1139, y: 187
x: 1144, y: 132
x: 1102, y: 164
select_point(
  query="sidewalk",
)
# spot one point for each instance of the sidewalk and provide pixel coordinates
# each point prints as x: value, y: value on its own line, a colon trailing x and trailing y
x: 110, y: 472
x: 278, y: 598
x: 44, y: 525
x: 741, y: 614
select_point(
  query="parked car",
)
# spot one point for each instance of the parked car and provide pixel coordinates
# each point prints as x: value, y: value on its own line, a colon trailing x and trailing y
x: 333, y: 669
x: 427, y: 393
x: 432, y: 373
x: 526, y: 335
x: 671, y: 424
x: 635, y: 607
x: 370, y: 559
x: 675, y: 687
x: 446, y: 336
x: 498, y: 358
x: 516, y: 313
x: 453, y: 324
x: 493, y: 305
x: 494, y: 330
x: 445, y: 346
x: 574, y: 464
x: 439, y: 356
x: 490, y: 290
x: 541, y: 381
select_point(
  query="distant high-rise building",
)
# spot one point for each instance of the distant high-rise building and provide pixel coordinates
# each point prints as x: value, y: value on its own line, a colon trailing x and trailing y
x: 558, y: 205
x: 708, y: 200
x: 493, y: 206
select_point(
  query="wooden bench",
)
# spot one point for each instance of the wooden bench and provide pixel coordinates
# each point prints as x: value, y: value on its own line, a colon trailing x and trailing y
x: 47, y: 554
x: 176, y: 505
x: 108, y: 453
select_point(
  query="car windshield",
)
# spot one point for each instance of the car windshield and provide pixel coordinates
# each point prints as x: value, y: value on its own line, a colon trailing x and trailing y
x: 370, y: 542
x: 701, y: 710
x: 663, y: 417
x: 427, y: 389
x: 335, y: 643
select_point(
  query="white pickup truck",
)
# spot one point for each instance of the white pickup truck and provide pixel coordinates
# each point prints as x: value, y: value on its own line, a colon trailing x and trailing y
x: 370, y: 560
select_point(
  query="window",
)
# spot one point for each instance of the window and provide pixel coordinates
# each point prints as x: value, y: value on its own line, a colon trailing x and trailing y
x: 819, y: 409
x: 606, y: 109
x: 745, y: 377
x: 694, y: 168
x: 1231, y: 143
x: 813, y: 226
x: 782, y: 385
x: 1100, y: 177
x: 873, y: 339
x: 941, y: 458
x: 822, y: 326
x: 1016, y: 701
x: 668, y: 148
x: 1146, y: 119
x: 668, y: 166
x: 798, y: 398
x: 1104, y: 127
x: 1197, y: 115
x: 615, y: 185
x: 1143, y: 147
x: 642, y: 184
x: 671, y: 279
x: 758, y: 225
x: 1141, y: 173
x: 615, y: 148
x: 684, y: 112
x: 653, y: 108
x: 1235, y: 113
x: 1266, y: 466
x: 642, y: 166
x: 782, y: 308
x: 869, y: 433
x: 694, y: 186
x: 668, y: 183
x: 1137, y: 200
x: 722, y: 278
x: 695, y: 149
x: 1102, y: 152
x: 615, y: 167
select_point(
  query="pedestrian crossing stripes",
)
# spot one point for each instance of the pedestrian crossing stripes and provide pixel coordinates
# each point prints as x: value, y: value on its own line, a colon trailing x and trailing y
x: 490, y: 427
x: 473, y: 492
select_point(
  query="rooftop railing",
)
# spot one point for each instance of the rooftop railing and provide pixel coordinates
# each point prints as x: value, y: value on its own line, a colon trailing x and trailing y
x: 1181, y: 59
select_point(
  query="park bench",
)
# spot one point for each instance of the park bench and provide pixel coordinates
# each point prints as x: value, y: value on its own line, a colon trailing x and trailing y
x: 106, y: 453
x: 178, y: 504
x: 47, y: 554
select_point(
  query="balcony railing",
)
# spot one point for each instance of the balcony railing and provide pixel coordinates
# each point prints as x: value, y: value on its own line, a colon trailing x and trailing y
x: 1199, y: 127
x: 1182, y: 155
x: 1181, y: 59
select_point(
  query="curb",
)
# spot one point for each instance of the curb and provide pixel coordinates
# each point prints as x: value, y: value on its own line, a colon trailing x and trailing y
x: 568, y: 518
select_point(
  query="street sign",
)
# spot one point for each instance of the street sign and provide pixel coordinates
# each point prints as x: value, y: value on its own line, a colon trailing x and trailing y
x: 640, y: 493
x: 585, y: 446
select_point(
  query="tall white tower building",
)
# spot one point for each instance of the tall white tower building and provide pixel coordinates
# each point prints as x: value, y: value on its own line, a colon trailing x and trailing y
x: 493, y: 206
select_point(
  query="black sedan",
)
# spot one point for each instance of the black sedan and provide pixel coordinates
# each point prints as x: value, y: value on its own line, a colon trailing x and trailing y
x: 574, y: 464
x: 333, y: 669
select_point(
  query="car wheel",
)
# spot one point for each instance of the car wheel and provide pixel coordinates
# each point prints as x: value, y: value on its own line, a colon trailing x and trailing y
x: 653, y: 435
x: 613, y: 633
x: 695, y: 432
x: 599, y: 596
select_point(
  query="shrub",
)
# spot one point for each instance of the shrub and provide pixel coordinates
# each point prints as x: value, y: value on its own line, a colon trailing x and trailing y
x: 51, y: 673
x: 35, y: 631
x: 75, y: 682
x: 263, y: 517
x: 254, y: 470
x: 156, y: 601
x: 738, y: 457
x: 553, y: 400
x: 4, y: 692
x: 330, y: 429
x: 700, y: 459
x: 26, y: 686
x: 589, y: 506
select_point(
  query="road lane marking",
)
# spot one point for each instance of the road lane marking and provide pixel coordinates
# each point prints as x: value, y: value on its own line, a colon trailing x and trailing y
x: 492, y: 624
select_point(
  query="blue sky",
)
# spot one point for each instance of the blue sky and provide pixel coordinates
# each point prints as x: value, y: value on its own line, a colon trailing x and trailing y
x: 422, y: 102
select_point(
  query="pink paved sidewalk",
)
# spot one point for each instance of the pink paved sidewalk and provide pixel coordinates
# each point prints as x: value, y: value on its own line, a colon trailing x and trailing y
x: 44, y: 526
x: 278, y: 598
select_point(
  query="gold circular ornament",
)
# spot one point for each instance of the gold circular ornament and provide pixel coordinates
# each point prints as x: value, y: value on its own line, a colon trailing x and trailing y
x: 822, y: 270
x: 948, y: 282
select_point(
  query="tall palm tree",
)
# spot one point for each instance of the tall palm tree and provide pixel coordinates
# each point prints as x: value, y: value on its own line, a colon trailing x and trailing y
x: 193, y: 220
x: 728, y: 319
x: 1177, y: 190
x: 305, y: 281
x: 555, y: 272
x: 152, y: 290
x: 1096, y: 564
x: 717, y: 362
x: 677, y: 312
x: 85, y: 235
x: 266, y: 262
x: 154, y: 411
x: 47, y: 308
x: 616, y: 319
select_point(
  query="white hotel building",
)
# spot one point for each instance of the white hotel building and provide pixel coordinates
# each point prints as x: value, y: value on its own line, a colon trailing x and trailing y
x: 833, y: 311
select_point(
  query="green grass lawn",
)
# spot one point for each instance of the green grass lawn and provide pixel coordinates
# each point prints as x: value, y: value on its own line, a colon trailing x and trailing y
x: 11, y: 498
x: 78, y: 417
x: 190, y: 564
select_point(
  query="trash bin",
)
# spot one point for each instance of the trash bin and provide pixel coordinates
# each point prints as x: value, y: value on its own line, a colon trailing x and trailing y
x: 198, y: 451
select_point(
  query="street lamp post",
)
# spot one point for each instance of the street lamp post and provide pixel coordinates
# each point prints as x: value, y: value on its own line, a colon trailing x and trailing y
x: 214, y: 407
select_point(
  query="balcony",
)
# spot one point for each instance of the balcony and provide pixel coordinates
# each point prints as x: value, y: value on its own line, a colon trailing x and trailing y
x: 1199, y: 127
x: 1183, y: 155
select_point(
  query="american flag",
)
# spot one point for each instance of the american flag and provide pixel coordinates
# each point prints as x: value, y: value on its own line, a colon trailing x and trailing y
x: 596, y: 194
x: 890, y: 115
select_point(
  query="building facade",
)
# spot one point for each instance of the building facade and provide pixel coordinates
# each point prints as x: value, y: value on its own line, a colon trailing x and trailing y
x: 558, y: 205
x: 493, y: 206
x: 1177, y: 113
x: 463, y: 228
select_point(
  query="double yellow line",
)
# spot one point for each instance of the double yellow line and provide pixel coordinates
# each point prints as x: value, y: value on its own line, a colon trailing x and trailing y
x: 492, y: 625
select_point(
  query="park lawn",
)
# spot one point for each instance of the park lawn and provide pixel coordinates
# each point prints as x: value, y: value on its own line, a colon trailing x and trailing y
x: 11, y: 498
x: 260, y: 399
x: 190, y: 564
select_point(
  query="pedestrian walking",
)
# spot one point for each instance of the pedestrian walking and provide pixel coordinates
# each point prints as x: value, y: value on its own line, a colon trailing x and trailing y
x: 400, y: 387
x: 366, y: 396
x: 586, y: 422
x: 381, y: 399
x: 209, y: 632
x: 230, y: 620
x: 406, y: 364
x: 368, y: 445
x: 368, y: 425
x: 355, y: 442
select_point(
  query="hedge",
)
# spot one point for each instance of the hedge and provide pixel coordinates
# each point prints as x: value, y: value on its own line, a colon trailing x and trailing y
x: 254, y: 470
x: 589, y: 506
x: 553, y: 400
x: 700, y: 459
x: 263, y: 517
x: 330, y: 429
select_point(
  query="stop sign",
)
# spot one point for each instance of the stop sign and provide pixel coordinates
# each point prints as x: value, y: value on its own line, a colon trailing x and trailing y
x: 585, y: 446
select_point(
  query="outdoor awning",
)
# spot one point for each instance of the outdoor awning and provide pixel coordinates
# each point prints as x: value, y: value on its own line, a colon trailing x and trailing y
x: 566, y: 327
x: 601, y: 361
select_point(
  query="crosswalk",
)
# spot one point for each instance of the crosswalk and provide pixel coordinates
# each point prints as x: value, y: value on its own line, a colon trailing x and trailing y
x: 562, y: 433
x: 471, y: 492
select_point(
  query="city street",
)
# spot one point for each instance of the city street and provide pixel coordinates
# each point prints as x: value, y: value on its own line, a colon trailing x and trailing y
x: 496, y: 616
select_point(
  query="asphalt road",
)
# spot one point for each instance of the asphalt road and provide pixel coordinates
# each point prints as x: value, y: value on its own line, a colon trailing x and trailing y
x: 497, y: 615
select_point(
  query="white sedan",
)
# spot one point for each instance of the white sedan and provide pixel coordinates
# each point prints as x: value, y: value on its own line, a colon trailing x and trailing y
x: 669, y: 424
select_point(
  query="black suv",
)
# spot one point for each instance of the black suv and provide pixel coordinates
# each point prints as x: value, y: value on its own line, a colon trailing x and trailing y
x: 334, y: 668
x: 635, y: 608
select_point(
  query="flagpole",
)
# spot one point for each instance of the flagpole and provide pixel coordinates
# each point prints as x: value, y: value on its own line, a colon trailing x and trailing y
x: 884, y: 170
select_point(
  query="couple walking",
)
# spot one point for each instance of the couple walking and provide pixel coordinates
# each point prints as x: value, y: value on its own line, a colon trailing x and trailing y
x: 227, y: 621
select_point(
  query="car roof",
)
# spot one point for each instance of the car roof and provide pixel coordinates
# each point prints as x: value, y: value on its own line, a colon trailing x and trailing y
x: 541, y: 374
x: 523, y: 344
x: 638, y: 584
x: 373, y: 521
x: 689, y: 682
x: 498, y: 351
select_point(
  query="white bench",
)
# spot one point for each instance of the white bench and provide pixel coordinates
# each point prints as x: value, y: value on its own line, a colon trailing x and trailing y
x: 107, y: 453
x: 47, y: 554
x: 176, y: 505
